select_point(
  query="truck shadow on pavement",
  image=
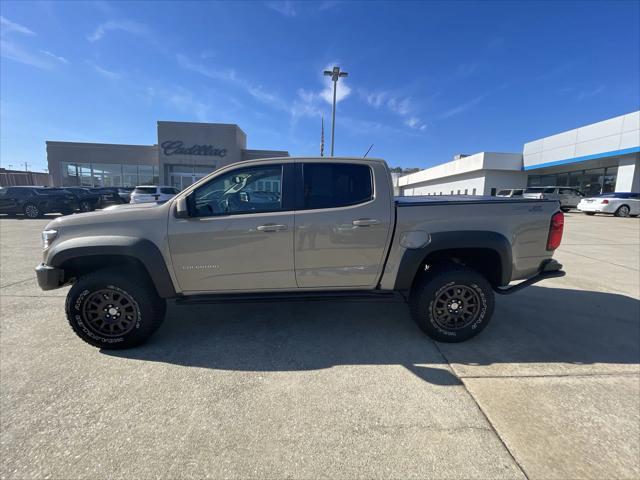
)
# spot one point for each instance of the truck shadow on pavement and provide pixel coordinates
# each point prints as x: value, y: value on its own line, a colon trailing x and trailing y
x: 538, y: 325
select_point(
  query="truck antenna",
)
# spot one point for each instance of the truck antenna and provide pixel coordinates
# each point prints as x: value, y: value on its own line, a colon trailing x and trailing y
x: 365, y: 155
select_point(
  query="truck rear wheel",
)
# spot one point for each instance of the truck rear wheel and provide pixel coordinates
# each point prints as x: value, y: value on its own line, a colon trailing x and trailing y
x: 452, y: 304
x: 112, y: 310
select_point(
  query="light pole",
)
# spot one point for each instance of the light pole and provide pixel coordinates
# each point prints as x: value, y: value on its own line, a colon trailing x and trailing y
x: 334, y: 74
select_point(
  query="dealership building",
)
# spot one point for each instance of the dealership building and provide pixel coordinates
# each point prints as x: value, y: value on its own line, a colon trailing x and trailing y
x: 599, y: 158
x: 185, y: 152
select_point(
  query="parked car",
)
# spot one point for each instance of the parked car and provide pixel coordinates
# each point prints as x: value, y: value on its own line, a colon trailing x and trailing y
x: 618, y: 204
x: 567, y: 196
x: 111, y: 195
x: 34, y: 202
x: 86, y: 200
x: 332, y: 230
x: 511, y: 193
x: 153, y: 193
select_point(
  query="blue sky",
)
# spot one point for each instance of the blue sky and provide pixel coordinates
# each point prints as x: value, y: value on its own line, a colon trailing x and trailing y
x: 426, y: 80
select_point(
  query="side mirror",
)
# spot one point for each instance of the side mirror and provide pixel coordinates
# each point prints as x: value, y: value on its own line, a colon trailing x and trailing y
x: 182, y: 210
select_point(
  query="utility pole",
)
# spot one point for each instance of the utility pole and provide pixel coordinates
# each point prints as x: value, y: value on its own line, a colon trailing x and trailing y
x: 26, y: 167
x: 335, y: 74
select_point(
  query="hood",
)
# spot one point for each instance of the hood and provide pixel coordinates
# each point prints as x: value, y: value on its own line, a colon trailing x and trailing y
x: 113, y: 216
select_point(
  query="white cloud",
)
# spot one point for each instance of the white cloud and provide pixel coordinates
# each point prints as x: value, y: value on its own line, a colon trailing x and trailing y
x: 342, y: 90
x: 463, y: 107
x: 184, y: 101
x: 13, y: 51
x: 285, y: 8
x: 8, y: 26
x: 53, y: 55
x: 376, y: 99
x: 415, y: 124
x: 217, y: 73
x: 590, y: 93
x: 106, y: 73
x: 125, y: 25
x: 401, y: 107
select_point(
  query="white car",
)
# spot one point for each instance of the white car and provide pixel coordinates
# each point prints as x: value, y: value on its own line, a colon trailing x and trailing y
x: 618, y: 204
x: 153, y: 193
x: 567, y: 196
x: 511, y: 193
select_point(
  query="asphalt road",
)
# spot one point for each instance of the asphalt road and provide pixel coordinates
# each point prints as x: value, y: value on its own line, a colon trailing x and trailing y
x: 551, y: 389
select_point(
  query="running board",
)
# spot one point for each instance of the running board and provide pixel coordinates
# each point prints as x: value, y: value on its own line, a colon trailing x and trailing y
x: 367, y: 295
x: 550, y: 269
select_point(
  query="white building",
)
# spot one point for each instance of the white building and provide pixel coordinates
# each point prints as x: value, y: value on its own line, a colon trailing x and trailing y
x: 598, y: 158
x: 480, y: 174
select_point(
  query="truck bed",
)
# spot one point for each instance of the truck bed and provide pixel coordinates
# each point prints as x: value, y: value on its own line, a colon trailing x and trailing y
x: 458, y: 199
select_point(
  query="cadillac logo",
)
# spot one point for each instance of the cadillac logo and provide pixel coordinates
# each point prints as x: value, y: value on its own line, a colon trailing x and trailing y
x: 176, y: 147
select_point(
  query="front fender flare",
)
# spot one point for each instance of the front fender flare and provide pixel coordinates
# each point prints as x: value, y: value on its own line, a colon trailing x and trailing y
x: 141, y: 249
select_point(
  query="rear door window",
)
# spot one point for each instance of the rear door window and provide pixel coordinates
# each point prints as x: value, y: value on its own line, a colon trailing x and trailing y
x: 168, y: 190
x: 332, y: 185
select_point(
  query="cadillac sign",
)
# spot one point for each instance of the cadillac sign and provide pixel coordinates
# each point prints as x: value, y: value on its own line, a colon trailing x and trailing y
x: 176, y: 147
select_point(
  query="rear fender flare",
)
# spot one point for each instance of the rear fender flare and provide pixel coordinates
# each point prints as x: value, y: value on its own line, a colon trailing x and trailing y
x: 413, y: 259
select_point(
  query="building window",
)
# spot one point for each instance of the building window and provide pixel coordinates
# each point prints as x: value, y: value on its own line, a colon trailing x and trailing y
x: 493, y: 192
x: 474, y: 192
x: 465, y: 191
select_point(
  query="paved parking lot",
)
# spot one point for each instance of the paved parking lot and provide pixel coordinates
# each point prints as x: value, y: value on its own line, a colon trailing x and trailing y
x: 551, y: 389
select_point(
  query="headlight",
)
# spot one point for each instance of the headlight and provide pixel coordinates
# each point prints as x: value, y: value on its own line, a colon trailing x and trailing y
x: 48, y: 236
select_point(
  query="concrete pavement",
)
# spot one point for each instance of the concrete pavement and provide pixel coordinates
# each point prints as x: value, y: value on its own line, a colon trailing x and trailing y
x: 337, y: 389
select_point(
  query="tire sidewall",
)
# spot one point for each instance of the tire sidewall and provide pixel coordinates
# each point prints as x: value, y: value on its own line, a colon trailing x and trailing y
x: 81, y: 323
x: 149, y: 309
x: 429, y: 291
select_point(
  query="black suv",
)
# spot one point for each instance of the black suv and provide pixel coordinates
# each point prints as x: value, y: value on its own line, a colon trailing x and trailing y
x: 86, y: 200
x: 34, y: 202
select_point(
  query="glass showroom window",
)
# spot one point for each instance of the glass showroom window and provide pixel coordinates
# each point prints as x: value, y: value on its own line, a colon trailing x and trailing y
x: 86, y: 180
x: 70, y: 174
x: 107, y: 175
x: 145, y: 175
x: 129, y: 175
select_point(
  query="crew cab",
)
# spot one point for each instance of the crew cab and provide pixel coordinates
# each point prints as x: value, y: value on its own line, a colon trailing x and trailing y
x: 298, y: 228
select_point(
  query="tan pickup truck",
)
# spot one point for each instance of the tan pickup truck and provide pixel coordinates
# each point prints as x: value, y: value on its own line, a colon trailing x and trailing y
x: 298, y: 228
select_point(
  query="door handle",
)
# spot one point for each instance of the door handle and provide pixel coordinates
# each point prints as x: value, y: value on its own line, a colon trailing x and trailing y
x: 366, y: 222
x: 271, y: 227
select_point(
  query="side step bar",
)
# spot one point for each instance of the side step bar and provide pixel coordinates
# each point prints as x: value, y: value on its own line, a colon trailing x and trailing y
x: 550, y: 269
x: 306, y: 296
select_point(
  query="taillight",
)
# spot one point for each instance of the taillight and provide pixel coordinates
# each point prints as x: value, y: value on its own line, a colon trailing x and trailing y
x: 555, y: 231
x: 605, y: 201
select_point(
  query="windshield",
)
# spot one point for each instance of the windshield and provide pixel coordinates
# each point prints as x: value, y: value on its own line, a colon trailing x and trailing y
x: 145, y: 190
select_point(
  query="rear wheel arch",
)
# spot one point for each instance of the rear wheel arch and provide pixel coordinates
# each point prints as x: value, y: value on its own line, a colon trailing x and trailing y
x: 488, y: 253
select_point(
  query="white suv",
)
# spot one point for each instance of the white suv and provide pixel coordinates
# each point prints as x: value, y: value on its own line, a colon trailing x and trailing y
x: 567, y: 196
x: 153, y: 193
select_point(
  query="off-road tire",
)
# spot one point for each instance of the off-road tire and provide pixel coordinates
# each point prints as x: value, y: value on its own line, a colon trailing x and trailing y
x: 622, y: 211
x: 140, y: 308
x: 473, y: 293
x: 31, y: 210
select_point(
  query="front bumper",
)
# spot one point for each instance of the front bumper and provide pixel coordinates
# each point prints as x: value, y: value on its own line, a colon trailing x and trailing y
x: 548, y: 269
x: 48, y: 277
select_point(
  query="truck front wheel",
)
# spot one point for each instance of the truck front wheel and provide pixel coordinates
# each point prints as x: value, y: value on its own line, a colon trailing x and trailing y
x: 113, y: 310
x: 452, y: 304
